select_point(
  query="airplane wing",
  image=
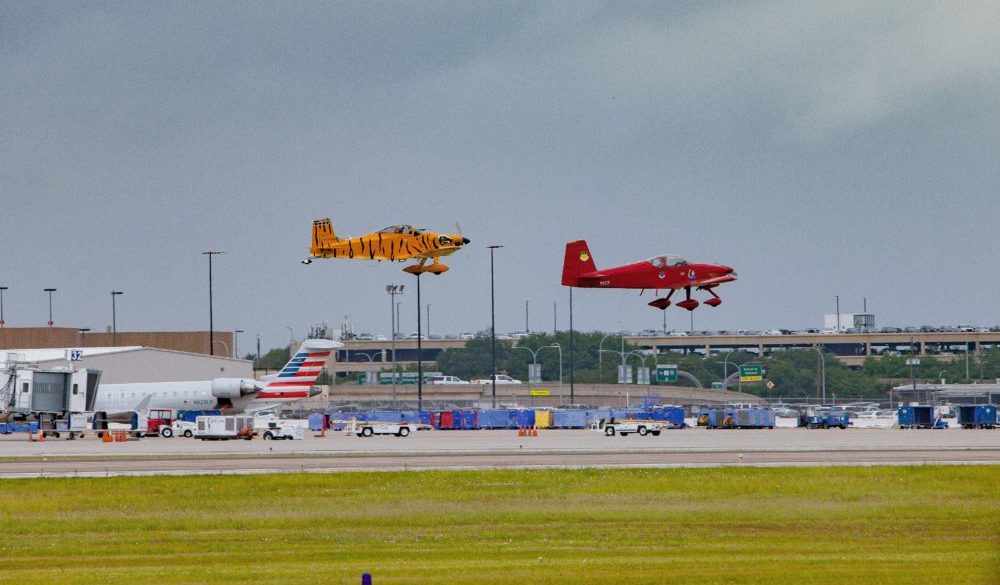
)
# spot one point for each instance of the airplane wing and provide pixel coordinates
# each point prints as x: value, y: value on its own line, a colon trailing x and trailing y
x: 438, y: 252
x: 703, y: 282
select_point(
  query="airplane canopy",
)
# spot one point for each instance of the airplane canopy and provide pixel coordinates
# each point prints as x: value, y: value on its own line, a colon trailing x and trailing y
x: 400, y: 229
x: 669, y: 260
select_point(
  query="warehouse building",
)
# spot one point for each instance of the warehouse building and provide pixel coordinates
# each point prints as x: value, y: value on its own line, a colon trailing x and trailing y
x: 122, y: 365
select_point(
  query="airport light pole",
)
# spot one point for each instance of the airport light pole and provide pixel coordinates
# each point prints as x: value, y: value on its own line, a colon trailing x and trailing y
x: 211, y: 322
x: 50, y: 291
x: 823, y: 369
x: 3, y: 288
x: 493, y: 324
x: 428, y: 320
x: 114, y: 318
x: 393, y: 290
x: 420, y: 351
x: 559, y: 348
x: 83, y: 336
x: 291, y: 336
x: 600, y: 357
x: 526, y: 328
x: 236, y: 343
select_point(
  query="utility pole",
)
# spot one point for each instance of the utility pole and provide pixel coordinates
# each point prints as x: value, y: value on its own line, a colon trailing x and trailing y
x: 393, y: 290
x: 114, y: 318
x: 211, y: 322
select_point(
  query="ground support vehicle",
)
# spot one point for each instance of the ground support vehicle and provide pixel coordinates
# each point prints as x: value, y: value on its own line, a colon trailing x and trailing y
x: 624, y: 427
x: 152, y: 422
x: 183, y: 428
x: 221, y: 428
x: 369, y: 428
x: 278, y: 430
x: 979, y: 416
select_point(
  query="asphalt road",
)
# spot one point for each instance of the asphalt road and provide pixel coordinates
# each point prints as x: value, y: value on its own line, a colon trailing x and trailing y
x: 497, y: 450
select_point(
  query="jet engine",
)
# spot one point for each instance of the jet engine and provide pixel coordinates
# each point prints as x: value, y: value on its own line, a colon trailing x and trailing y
x: 234, y: 387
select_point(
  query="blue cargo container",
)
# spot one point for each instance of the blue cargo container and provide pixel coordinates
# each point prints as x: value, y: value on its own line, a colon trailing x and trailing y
x: 192, y: 415
x: 672, y: 415
x: 569, y: 419
x: 828, y: 421
x: 979, y: 416
x: 390, y: 416
x: 493, y: 418
x: 919, y: 417
x: 318, y: 421
x: 520, y: 419
x: 470, y: 419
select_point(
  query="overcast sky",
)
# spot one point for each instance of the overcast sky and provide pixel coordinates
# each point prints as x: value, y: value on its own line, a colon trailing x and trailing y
x: 820, y: 148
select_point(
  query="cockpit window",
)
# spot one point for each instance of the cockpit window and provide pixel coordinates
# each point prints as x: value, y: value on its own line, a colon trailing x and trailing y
x: 676, y: 261
x: 398, y: 229
x: 657, y: 262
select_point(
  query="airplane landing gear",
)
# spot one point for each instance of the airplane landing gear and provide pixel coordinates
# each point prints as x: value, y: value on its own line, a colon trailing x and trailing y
x: 663, y: 303
x: 688, y: 303
x: 715, y: 301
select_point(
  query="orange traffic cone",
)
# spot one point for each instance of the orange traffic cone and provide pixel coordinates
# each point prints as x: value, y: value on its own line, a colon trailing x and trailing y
x: 41, y: 436
x: 106, y: 437
x: 520, y: 431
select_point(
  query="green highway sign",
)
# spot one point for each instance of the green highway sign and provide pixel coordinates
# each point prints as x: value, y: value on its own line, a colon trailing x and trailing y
x: 753, y: 372
x: 666, y: 374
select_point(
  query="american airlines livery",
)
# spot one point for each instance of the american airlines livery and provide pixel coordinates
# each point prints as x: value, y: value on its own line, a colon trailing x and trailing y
x: 294, y: 382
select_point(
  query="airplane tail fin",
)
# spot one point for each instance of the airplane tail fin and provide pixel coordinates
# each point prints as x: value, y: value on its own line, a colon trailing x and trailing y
x: 298, y: 376
x: 322, y: 232
x: 577, y: 261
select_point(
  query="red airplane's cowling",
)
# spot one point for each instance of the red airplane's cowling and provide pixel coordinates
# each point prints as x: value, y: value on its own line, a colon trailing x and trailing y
x: 659, y: 273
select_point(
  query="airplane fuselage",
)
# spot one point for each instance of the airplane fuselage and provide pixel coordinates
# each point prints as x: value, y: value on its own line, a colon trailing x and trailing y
x: 644, y: 275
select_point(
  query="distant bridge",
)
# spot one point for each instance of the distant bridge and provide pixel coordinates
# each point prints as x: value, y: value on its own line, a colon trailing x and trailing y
x: 850, y: 348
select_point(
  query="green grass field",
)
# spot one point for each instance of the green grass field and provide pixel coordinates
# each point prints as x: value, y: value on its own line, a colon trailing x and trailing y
x: 737, y: 525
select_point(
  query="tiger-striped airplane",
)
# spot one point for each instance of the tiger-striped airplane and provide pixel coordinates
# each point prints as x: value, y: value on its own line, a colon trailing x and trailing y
x: 397, y: 243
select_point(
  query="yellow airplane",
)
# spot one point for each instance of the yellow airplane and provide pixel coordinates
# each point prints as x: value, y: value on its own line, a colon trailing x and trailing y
x: 397, y: 243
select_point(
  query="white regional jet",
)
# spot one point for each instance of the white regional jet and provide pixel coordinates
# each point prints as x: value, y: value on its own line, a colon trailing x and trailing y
x: 293, y: 382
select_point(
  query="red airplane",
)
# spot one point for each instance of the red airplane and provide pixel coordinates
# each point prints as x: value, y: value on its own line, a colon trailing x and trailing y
x: 661, y: 272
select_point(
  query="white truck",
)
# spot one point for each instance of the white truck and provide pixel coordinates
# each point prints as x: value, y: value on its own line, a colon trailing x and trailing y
x: 624, y: 427
x: 441, y: 379
x: 501, y: 379
x: 277, y: 429
x: 369, y: 428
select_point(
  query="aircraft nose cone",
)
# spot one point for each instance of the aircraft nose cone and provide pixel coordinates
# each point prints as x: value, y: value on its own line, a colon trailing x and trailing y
x: 465, y: 240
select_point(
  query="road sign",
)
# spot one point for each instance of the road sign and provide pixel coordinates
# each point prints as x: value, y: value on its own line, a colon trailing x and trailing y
x: 913, y: 361
x: 642, y: 376
x: 718, y: 386
x: 666, y: 373
x: 624, y: 374
x: 753, y: 372
x: 770, y: 385
x: 540, y: 392
x: 534, y: 373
